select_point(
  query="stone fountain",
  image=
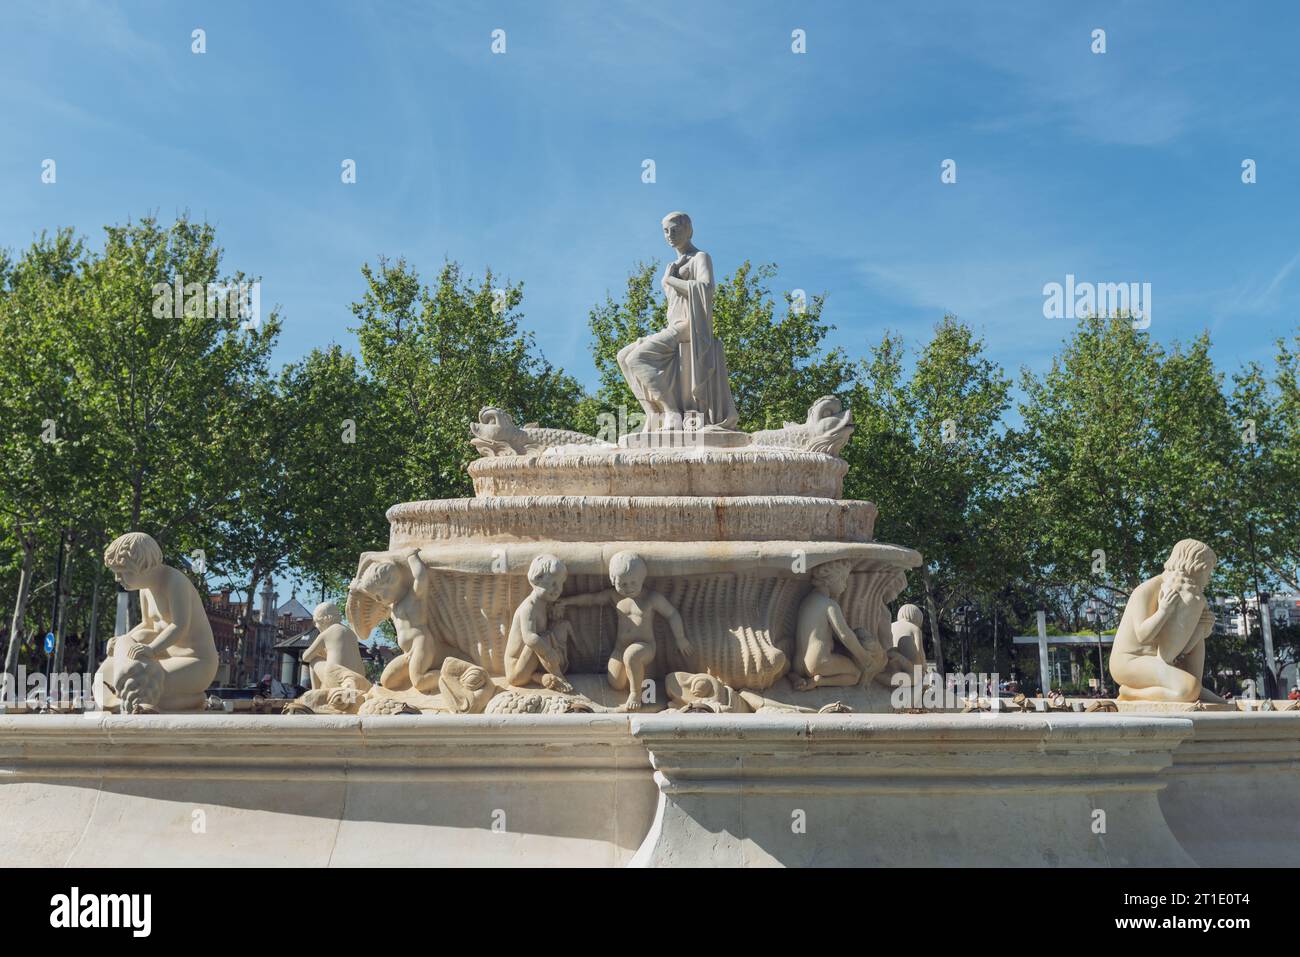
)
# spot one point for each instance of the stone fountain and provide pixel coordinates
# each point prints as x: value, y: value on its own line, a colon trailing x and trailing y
x: 734, y: 532
x: 688, y: 568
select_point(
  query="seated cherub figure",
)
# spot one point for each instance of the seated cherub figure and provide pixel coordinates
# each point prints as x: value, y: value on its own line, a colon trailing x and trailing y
x: 821, y: 621
x: 165, y: 662
x: 398, y: 587
x: 535, y: 642
x: 1159, y: 649
x: 907, y: 652
x: 636, y: 607
x: 335, y: 655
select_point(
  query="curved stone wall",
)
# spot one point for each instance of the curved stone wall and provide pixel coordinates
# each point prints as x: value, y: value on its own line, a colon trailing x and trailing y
x: 579, y: 518
x: 677, y: 472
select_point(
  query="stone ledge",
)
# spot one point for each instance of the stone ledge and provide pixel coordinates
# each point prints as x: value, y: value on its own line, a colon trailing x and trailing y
x: 315, y: 791
x: 667, y: 789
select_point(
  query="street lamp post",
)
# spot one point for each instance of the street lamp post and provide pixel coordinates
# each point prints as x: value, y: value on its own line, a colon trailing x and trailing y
x: 1093, y: 613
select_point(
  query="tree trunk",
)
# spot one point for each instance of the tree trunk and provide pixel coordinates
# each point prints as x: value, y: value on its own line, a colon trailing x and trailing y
x: 92, y: 651
x: 65, y: 591
x: 997, y: 676
x: 934, y: 618
x: 242, y: 646
x: 20, y: 611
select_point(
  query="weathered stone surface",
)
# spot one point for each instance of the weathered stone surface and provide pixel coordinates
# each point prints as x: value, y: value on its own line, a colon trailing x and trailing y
x: 1232, y: 793
x: 582, y: 518
x: 909, y: 790
x: 711, y: 473
x: 714, y: 790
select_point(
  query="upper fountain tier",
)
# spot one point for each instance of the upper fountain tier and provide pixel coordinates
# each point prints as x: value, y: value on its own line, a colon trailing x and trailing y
x: 797, y: 460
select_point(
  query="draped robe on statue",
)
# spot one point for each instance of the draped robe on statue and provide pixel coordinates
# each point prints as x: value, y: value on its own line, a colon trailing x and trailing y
x: 682, y: 369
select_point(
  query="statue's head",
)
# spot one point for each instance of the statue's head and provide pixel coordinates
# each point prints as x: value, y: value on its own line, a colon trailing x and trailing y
x: 326, y: 614
x: 130, y: 557
x: 627, y: 573
x: 1193, y: 559
x: 548, y: 573
x: 911, y: 614
x: 677, y: 229
x: 385, y: 581
x: 831, y: 577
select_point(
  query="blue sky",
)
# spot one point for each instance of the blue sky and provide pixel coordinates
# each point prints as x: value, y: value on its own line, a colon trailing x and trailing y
x: 1115, y: 167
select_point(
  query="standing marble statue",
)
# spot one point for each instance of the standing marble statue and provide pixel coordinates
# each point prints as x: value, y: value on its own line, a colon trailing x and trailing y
x: 679, y: 374
x: 166, y: 661
x: 1159, y: 650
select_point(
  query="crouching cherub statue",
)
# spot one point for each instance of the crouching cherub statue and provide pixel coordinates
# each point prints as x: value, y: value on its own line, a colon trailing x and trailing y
x: 338, y: 681
x: 907, y: 655
x: 1159, y: 649
x: 536, y: 643
x: 820, y: 624
x: 396, y: 587
x: 167, y: 661
x: 637, y: 607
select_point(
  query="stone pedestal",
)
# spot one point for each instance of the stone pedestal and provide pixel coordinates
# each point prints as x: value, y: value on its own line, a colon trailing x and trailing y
x: 1232, y: 794
x: 911, y: 790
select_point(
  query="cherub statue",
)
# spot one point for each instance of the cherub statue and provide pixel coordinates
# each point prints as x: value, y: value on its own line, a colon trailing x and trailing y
x: 466, y: 688
x: 535, y: 642
x: 338, y: 682
x: 335, y: 655
x: 398, y: 588
x: 821, y: 621
x: 908, y: 651
x: 636, y: 607
x: 165, y: 662
x: 1159, y: 649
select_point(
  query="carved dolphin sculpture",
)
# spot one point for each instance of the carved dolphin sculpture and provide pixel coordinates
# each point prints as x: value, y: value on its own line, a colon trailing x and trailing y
x: 827, y: 429
x: 495, y: 433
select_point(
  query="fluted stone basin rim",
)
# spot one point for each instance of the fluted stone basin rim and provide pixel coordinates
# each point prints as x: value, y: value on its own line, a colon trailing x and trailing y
x: 668, y: 472
x: 632, y: 519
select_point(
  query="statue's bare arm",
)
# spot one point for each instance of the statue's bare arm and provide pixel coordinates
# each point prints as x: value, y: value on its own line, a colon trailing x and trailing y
x: 178, y: 604
x: 1149, y: 628
x: 666, y: 608
x: 316, y: 649
x: 607, y: 596
x: 419, y: 575
x: 840, y: 625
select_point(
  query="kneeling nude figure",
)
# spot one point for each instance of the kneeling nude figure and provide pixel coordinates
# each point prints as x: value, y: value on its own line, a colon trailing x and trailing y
x: 1159, y: 650
x: 821, y: 621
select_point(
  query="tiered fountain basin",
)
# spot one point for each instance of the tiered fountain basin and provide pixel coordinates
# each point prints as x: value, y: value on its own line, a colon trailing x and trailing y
x: 705, y: 472
x: 729, y: 537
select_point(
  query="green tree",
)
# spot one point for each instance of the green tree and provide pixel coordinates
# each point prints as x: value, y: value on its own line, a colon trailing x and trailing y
x: 932, y: 452
x: 438, y: 354
x: 1124, y: 454
x: 47, y: 487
